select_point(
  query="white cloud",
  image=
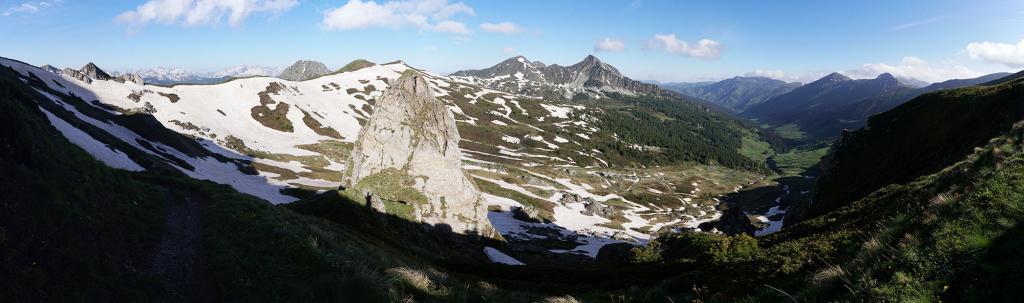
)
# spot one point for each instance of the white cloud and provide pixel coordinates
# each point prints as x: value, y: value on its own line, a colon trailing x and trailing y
x: 503, y: 28
x: 432, y: 15
x: 913, y: 67
x: 449, y: 26
x: 609, y: 45
x: 917, y: 23
x: 201, y: 12
x: 1011, y: 55
x: 705, y: 48
x: 508, y: 50
x: 29, y: 7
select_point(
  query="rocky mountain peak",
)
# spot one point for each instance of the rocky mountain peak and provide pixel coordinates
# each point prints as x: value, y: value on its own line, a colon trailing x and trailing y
x: 50, y: 68
x: 887, y: 78
x: 832, y: 78
x: 304, y: 70
x: 94, y: 72
x: 130, y: 77
x: 592, y: 64
x: 407, y: 162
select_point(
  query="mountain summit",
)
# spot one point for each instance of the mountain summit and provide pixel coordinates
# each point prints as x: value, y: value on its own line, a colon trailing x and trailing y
x: 304, y: 70
x: 407, y: 161
x: 94, y: 72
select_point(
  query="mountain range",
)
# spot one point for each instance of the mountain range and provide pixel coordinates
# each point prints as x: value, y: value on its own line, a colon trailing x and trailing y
x: 738, y: 93
x: 522, y: 76
x: 820, y: 109
x: 176, y: 75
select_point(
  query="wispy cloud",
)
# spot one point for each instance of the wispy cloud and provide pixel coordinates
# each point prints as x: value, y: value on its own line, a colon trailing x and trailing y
x: 200, y: 12
x: 431, y: 15
x: 918, y: 23
x: 609, y: 45
x: 704, y: 49
x: 29, y: 7
x: 507, y: 28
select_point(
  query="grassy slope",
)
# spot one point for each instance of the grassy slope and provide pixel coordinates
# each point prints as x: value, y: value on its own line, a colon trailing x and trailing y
x: 797, y: 162
x: 936, y: 237
x: 681, y: 130
x: 919, y: 137
x: 63, y: 235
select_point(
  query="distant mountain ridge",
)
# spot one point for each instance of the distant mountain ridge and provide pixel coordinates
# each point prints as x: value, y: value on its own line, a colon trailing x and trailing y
x: 737, y: 93
x: 819, y: 96
x: 850, y: 109
x: 522, y: 76
x: 176, y: 75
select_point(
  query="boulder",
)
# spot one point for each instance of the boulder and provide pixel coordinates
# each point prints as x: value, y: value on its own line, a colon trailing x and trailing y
x: 616, y: 253
x: 408, y: 153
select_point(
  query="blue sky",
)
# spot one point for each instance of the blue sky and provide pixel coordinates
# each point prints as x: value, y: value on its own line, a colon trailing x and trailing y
x: 651, y: 40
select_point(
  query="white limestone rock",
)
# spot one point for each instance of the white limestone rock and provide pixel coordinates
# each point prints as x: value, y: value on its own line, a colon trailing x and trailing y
x: 409, y: 152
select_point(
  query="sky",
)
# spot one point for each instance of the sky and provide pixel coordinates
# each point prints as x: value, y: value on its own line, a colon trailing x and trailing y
x: 666, y: 41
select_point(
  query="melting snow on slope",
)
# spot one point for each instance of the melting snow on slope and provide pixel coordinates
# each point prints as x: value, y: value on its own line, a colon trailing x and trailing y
x: 557, y: 111
x: 497, y: 256
x: 773, y: 225
x: 112, y: 157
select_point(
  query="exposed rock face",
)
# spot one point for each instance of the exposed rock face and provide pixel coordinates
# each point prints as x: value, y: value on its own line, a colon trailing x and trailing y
x: 76, y: 74
x: 408, y: 155
x: 50, y: 68
x: 591, y: 207
x: 304, y: 70
x: 733, y: 222
x: 94, y: 72
x: 130, y: 78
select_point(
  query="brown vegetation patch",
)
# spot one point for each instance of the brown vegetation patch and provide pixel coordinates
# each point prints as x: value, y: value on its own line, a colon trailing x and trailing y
x: 171, y: 97
x: 319, y: 128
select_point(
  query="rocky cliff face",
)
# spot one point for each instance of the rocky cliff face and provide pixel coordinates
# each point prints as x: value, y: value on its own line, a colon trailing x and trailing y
x: 408, y: 156
x: 130, y: 78
x: 304, y: 70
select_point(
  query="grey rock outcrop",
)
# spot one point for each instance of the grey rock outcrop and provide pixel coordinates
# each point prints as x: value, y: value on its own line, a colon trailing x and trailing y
x: 76, y: 74
x: 733, y: 222
x: 50, y: 68
x: 408, y: 155
x: 303, y: 70
x: 591, y: 207
x: 130, y: 78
